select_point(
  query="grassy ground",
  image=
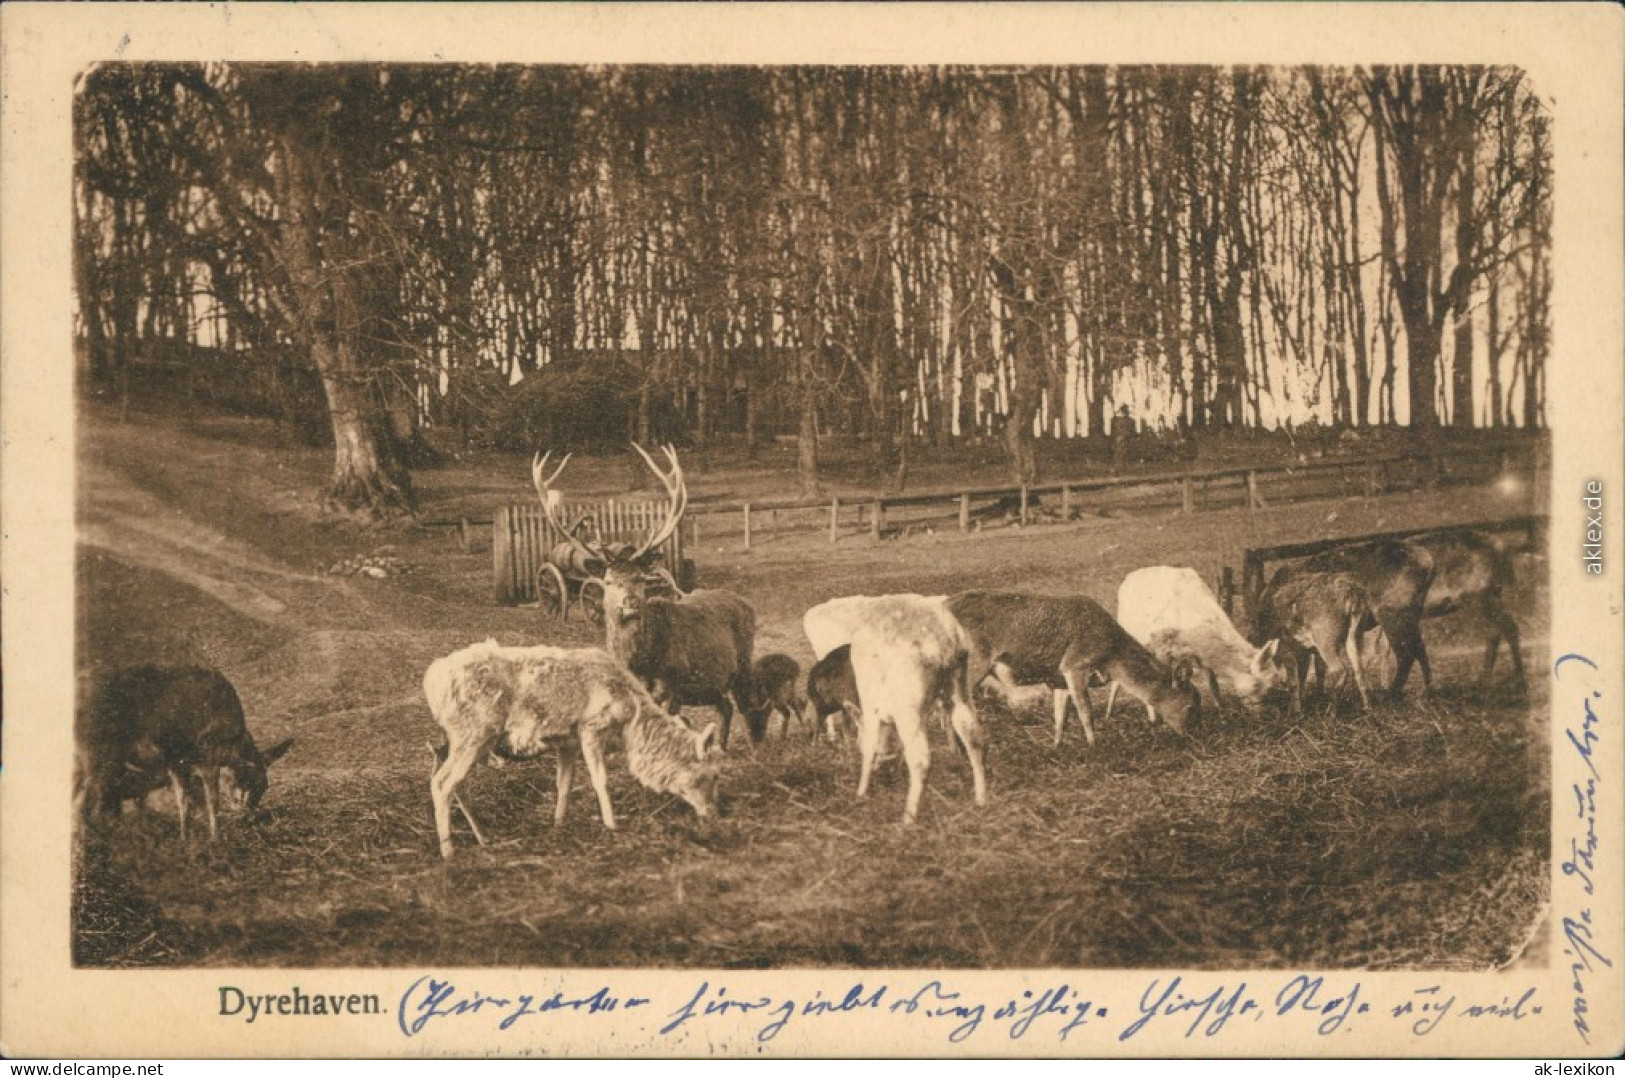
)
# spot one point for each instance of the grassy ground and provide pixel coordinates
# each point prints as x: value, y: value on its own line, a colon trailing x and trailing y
x: 1411, y: 836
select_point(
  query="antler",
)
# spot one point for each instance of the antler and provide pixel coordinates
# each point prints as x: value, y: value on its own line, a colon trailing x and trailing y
x: 676, y: 489
x: 544, y: 484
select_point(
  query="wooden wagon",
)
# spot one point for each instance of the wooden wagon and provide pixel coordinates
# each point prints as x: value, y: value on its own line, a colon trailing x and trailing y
x: 533, y: 562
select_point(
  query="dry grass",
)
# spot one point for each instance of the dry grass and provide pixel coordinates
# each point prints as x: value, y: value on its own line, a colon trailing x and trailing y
x: 1411, y: 836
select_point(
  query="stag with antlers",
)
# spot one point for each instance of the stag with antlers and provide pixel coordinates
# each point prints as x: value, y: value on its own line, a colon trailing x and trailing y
x: 692, y: 648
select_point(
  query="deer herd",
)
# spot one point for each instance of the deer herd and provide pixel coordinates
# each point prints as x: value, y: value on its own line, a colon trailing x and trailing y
x: 885, y: 666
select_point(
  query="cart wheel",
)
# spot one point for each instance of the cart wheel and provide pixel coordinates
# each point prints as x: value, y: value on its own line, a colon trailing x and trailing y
x: 591, y: 599
x: 551, y: 593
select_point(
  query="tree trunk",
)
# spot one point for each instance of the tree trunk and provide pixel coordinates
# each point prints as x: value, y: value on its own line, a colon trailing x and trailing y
x: 807, y: 440
x: 750, y: 420
x: 367, y: 472
x: 365, y: 475
x: 1461, y: 381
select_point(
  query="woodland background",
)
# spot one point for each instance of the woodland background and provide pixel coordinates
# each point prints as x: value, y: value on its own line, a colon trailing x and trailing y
x: 405, y: 261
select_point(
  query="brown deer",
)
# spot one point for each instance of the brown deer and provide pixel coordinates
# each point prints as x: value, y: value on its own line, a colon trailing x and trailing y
x: 184, y: 724
x: 1065, y: 642
x: 1322, y: 618
x: 1380, y: 585
x: 774, y: 689
x: 692, y: 648
x: 832, y: 690
x: 1471, y: 575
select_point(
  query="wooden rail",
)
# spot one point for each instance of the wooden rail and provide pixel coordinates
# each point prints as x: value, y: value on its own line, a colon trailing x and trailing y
x: 519, y: 545
x: 1256, y: 560
x: 869, y: 511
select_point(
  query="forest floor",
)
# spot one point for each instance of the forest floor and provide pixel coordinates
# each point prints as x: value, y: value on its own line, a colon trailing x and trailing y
x: 1412, y: 835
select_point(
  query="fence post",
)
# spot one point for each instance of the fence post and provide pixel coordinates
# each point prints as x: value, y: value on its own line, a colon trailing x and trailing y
x: 1066, y: 501
x: 1023, y: 514
x: 834, y: 520
x: 874, y: 520
x: 1252, y: 579
x: 964, y: 512
x: 502, y: 556
x: 747, y: 525
x: 1254, y: 499
x: 1187, y: 501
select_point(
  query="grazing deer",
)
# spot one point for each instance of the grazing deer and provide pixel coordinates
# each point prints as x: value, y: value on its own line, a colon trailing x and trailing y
x: 1471, y: 574
x: 688, y: 649
x: 909, y: 659
x: 1063, y: 642
x: 516, y: 702
x: 832, y: 690
x: 1175, y: 615
x: 1325, y: 615
x: 1385, y: 583
x: 775, y: 688
x: 184, y: 724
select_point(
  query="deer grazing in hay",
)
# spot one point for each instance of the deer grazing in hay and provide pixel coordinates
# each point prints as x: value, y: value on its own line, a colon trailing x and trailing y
x: 774, y: 689
x: 1326, y: 603
x: 1065, y: 642
x: 692, y: 648
x: 515, y: 702
x: 909, y: 659
x: 148, y: 725
x: 832, y: 695
x: 1177, y: 617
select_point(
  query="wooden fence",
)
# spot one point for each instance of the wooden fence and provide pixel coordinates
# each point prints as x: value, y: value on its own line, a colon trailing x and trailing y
x: 1250, y: 487
x: 523, y: 538
x: 1256, y: 561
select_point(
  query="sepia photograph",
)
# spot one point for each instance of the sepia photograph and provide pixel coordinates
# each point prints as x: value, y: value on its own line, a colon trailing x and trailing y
x: 943, y: 519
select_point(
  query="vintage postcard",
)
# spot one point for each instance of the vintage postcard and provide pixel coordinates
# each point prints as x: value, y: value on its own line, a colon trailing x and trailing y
x: 1028, y: 530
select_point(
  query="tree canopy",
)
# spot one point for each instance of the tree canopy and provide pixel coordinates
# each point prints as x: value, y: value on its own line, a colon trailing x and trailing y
x: 888, y: 254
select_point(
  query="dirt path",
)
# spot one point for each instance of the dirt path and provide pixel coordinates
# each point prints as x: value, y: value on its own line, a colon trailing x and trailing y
x: 139, y: 529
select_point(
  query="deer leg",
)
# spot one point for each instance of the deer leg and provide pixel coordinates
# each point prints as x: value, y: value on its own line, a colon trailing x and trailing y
x: 968, y: 725
x: 209, y: 779
x: 1405, y: 637
x: 1111, y: 698
x: 846, y: 724
x: 1060, y: 699
x: 564, y: 770
x: 593, y: 752
x: 868, y: 748
x: 1509, y: 629
x: 1077, y: 689
x: 917, y: 754
x: 473, y: 824
x: 443, y: 784
x: 726, y: 711
x: 1356, y: 663
x: 1213, y: 685
x: 179, y: 785
x: 756, y: 724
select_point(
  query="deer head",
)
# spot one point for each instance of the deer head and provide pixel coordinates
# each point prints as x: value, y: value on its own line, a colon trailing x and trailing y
x: 629, y: 571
